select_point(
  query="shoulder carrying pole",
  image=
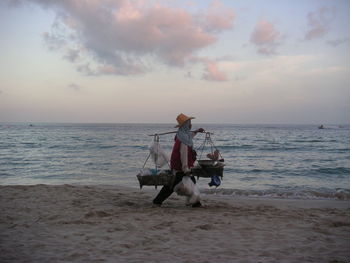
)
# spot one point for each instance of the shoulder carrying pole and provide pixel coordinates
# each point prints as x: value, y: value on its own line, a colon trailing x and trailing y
x: 164, y: 133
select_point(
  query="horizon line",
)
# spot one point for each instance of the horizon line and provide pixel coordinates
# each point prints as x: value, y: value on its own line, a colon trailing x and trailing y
x: 168, y: 123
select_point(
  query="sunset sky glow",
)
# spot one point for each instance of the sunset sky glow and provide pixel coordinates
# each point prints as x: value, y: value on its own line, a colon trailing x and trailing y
x: 241, y: 61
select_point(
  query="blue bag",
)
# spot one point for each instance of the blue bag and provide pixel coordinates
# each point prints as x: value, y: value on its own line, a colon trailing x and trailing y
x: 215, y: 181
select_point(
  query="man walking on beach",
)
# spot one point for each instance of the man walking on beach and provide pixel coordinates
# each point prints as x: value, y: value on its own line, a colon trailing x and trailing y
x: 182, y: 158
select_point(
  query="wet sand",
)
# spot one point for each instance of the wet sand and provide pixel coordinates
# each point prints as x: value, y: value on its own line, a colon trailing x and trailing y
x: 65, y: 223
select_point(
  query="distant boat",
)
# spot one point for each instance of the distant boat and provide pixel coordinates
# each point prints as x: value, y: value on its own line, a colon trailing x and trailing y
x: 321, y: 127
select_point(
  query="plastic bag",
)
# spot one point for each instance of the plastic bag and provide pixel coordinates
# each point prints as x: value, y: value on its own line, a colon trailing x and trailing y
x: 159, y: 157
x: 195, y: 197
x: 215, y: 181
x: 187, y: 188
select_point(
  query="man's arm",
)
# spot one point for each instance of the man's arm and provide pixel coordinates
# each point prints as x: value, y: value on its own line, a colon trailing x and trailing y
x: 197, y: 131
x: 184, y: 158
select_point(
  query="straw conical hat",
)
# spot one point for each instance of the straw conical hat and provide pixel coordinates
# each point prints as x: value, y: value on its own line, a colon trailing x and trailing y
x: 181, y: 119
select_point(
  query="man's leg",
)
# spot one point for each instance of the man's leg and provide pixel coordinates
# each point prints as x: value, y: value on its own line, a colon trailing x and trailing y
x: 167, y: 190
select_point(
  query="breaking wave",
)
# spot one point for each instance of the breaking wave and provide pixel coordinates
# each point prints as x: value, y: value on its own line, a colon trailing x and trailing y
x: 339, y: 194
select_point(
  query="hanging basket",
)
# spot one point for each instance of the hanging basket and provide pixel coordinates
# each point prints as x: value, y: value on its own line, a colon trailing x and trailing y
x: 155, y: 180
x: 155, y: 176
x: 209, y: 167
x: 208, y: 171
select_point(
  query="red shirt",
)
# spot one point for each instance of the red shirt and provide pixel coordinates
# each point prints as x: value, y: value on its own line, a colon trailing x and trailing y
x: 175, y: 160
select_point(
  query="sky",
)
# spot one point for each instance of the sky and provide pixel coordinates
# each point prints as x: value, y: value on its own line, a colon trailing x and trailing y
x: 120, y: 61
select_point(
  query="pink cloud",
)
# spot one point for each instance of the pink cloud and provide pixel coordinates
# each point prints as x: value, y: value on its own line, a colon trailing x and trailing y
x: 217, y: 17
x: 265, y: 37
x: 120, y: 37
x: 212, y: 72
x: 319, y: 22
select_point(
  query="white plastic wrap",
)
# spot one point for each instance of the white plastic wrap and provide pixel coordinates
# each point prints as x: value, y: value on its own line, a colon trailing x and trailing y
x: 187, y: 188
x: 158, y: 155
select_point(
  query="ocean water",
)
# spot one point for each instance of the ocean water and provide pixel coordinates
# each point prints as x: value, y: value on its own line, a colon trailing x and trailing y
x: 284, y: 161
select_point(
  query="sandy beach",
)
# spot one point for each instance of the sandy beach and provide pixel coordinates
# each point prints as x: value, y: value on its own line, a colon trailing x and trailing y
x: 65, y: 223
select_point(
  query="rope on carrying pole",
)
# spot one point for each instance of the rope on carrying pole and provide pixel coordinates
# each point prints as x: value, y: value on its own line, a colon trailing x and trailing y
x: 155, y: 139
x: 143, y: 167
x: 208, y: 140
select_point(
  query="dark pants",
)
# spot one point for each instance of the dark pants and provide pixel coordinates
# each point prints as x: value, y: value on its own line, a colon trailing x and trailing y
x: 167, y: 190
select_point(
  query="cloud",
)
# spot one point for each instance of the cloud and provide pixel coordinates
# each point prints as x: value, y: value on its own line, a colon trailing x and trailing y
x: 124, y: 37
x: 265, y: 37
x: 211, y: 68
x: 327, y: 71
x: 212, y: 73
x: 74, y: 86
x: 271, y: 70
x: 72, y: 55
x: 85, y: 69
x: 339, y: 41
x: 53, y: 42
x: 217, y: 17
x: 226, y: 58
x: 319, y: 22
x: 188, y: 74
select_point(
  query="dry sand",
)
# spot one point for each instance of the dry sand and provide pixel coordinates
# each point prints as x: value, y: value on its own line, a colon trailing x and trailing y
x: 67, y: 223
